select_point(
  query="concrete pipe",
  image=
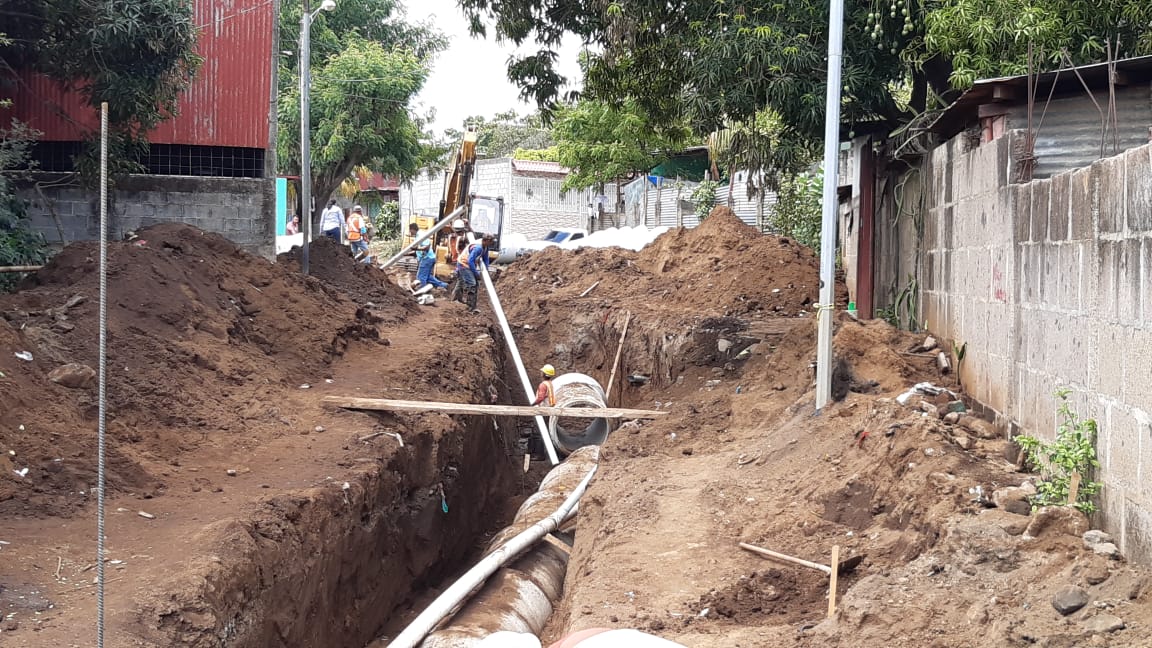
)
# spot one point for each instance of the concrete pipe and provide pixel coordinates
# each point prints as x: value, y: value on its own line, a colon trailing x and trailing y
x: 578, y: 390
x: 520, y: 596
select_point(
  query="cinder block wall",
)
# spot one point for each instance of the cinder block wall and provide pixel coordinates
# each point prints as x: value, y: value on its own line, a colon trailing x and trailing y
x: 241, y: 209
x: 1050, y: 285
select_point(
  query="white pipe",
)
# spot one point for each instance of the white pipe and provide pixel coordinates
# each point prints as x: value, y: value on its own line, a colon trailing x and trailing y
x: 452, y: 597
x: 419, y: 239
x: 515, y: 351
x: 828, y: 223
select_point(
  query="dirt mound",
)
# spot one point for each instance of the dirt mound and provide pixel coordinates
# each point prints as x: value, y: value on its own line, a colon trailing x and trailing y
x: 202, y: 340
x: 722, y: 268
x: 332, y: 264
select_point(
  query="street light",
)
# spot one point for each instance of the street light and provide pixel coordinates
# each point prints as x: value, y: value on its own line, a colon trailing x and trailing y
x: 305, y: 137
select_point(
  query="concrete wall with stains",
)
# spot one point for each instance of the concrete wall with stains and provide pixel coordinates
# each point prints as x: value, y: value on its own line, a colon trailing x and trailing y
x: 1050, y: 285
x: 243, y: 210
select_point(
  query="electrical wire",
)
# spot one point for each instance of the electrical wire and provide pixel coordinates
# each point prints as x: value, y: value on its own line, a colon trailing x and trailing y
x: 103, y: 363
x: 242, y: 12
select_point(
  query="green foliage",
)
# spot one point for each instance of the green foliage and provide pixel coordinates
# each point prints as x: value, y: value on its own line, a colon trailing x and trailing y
x: 989, y: 38
x: 602, y: 142
x: 1072, y: 452
x: 797, y: 213
x: 138, y: 55
x: 704, y: 195
x: 19, y: 245
x: 550, y: 154
x: 507, y: 132
x: 367, y: 66
x: 388, y: 221
x: 905, y: 305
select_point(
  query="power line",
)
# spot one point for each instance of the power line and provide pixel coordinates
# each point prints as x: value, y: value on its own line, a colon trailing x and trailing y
x: 242, y: 12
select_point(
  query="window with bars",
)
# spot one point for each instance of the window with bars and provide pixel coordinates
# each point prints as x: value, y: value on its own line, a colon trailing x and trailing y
x: 165, y: 159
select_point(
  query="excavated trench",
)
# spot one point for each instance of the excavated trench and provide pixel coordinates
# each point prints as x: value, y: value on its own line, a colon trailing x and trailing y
x: 346, y: 568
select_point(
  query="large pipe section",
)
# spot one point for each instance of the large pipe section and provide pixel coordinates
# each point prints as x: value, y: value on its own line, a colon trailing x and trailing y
x: 521, y: 595
x: 456, y: 213
x: 517, y: 360
x: 578, y: 390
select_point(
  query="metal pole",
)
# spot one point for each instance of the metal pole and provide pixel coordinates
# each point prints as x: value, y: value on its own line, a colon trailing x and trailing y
x: 517, y: 360
x: 435, y: 228
x: 305, y: 136
x: 102, y: 356
x: 828, y: 226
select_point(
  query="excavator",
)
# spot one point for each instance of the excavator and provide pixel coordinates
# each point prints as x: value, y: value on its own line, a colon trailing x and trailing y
x: 485, y: 215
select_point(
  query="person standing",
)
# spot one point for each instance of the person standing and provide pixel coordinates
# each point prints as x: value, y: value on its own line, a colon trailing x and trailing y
x: 476, y: 254
x: 332, y: 221
x: 358, y: 233
x: 545, y: 392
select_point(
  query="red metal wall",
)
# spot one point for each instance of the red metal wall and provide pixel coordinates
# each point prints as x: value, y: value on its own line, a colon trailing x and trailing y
x: 226, y: 105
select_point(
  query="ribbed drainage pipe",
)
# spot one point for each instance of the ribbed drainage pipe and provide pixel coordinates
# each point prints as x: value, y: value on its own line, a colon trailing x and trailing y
x: 578, y: 390
x: 520, y: 596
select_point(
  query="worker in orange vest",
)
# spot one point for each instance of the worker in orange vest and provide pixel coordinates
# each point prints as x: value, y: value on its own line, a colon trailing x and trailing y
x: 545, y: 392
x: 358, y: 233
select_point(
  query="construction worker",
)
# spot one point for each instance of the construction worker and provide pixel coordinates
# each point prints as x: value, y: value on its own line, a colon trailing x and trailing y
x: 426, y: 257
x: 358, y: 233
x: 459, y: 233
x: 545, y: 392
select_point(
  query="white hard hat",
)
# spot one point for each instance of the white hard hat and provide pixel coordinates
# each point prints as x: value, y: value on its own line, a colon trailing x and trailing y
x: 505, y: 639
x: 458, y: 224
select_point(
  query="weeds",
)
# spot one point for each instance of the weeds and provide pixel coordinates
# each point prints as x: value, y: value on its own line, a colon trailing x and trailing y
x: 1073, y: 451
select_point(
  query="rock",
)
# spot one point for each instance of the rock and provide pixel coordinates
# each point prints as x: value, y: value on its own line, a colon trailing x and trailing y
x: 230, y: 473
x: 1102, y: 624
x: 1013, y: 524
x: 75, y: 301
x: 1094, y: 537
x: 778, y: 387
x: 1096, y: 571
x: 977, y: 614
x: 1018, y: 508
x: 1056, y: 520
x: 1069, y: 599
x: 952, y: 418
x: 1003, y: 496
x: 927, y: 407
x: 964, y: 442
x: 73, y: 376
x: 979, y: 427
x: 1106, y: 549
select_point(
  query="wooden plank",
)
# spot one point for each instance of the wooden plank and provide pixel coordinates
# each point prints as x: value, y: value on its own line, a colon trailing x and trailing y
x: 559, y: 544
x: 616, y: 362
x: 832, y: 581
x: 23, y: 268
x: 1074, y: 489
x: 381, y: 404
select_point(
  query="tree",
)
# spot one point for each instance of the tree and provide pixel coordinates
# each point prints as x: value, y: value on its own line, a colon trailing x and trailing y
x: 500, y: 136
x: 988, y: 38
x: 19, y: 245
x: 137, y: 55
x: 601, y: 142
x: 367, y: 66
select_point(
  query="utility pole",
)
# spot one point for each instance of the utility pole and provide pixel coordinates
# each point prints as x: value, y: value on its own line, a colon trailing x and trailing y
x: 305, y: 135
x: 306, y: 19
x: 826, y: 310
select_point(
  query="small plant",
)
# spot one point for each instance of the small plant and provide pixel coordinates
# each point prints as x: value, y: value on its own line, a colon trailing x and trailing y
x: 704, y: 195
x: 1073, y: 452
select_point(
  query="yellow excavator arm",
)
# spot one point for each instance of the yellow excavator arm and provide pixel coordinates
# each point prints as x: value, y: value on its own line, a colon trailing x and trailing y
x: 461, y: 167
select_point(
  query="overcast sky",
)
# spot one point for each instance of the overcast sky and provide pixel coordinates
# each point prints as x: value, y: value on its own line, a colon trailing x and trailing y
x: 471, y: 77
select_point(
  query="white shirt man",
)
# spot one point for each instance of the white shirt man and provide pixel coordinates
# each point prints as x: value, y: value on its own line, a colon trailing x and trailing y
x: 332, y: 221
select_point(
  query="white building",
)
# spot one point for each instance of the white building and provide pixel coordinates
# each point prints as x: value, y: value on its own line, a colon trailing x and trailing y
x: 533, y: 202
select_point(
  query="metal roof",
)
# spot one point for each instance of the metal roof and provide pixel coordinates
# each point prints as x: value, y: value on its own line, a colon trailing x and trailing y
x: 227, y: 104
x: 1013, y: 90
x: 534, y: 166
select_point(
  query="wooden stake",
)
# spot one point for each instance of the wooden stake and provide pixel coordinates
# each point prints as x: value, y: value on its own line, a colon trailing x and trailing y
x: 559, y: 544
x: 23, y: 268
x: 1073, y: 489
x: 527, y: 462
x: 381, y: 404
x: 590, y: 289
x: 832, y: 581
x: 619, y: 352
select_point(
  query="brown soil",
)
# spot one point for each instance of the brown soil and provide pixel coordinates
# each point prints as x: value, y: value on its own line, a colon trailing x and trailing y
x: 744, y: 458
x: 327, y: 535
x: 274, y: 519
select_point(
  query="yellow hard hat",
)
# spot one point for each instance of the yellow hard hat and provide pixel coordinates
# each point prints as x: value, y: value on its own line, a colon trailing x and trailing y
x: 548, y: 370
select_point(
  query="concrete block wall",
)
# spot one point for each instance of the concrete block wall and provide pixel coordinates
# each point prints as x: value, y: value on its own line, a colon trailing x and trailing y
x: 241, y: 209
x: 1050, y: 285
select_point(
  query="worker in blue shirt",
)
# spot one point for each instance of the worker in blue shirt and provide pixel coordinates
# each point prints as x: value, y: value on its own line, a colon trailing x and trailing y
x: 426, y: 257
x: 468, y: 269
